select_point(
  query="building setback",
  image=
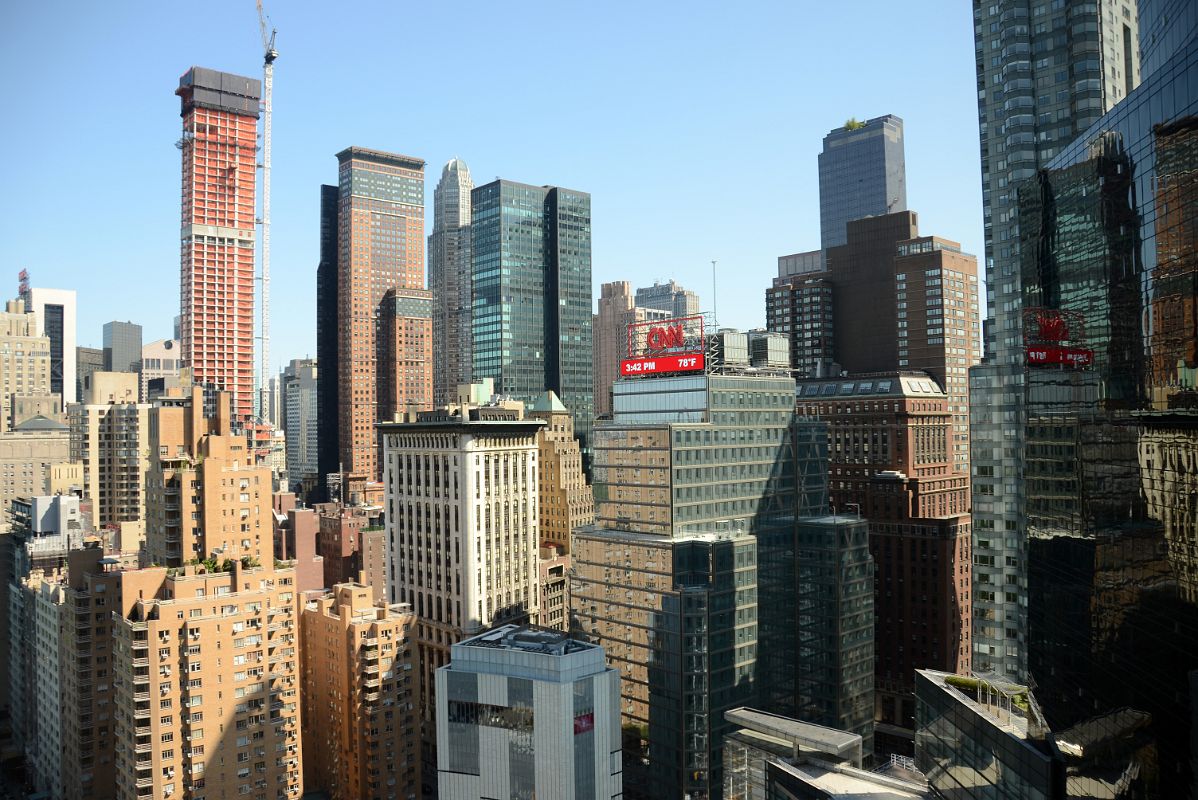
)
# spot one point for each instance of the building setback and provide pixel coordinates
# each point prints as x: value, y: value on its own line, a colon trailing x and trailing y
x: 696, y: 486
x: 449, y: 281
x: 205, y: 497
x: 890, y: 439
x: 531, y: 272
x: 220, y: 164
x: 206, y: 668
x: 905, y: 301
x: 361, y: 725
x: 669, y: 298
x: 528, y: 713
x: 380, y: 249
x: 24, y: 359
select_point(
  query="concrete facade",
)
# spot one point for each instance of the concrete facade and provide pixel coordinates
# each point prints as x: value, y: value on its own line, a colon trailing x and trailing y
x: 464, y: 535
x: 159, y: 359
x: 525, y: 712
x: 55, y: 311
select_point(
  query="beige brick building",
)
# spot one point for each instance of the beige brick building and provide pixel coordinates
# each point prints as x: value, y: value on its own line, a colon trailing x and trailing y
x: 361, y: 726
x: 205, y: 666
x: 27, y: 454
x: 566, y: 498
x: 88, y: 732
x: 110, y: 438
x: 205, y: 498
x: 24, y: 358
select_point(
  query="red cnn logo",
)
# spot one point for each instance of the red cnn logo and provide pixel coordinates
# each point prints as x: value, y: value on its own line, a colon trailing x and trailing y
x: 1053, y: 327
x: 663, y: 338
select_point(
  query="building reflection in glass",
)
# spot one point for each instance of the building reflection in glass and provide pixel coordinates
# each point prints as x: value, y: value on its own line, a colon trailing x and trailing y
x: 1110, y: 463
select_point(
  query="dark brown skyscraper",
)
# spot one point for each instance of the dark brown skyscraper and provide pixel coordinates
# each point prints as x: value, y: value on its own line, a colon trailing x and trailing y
x: 905, y: 301
x: 380, y: 238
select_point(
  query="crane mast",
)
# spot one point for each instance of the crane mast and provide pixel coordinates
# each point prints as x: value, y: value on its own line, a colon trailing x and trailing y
x: 269, y: 54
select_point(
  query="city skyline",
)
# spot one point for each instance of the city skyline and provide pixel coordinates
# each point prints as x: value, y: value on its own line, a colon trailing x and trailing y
x: 669, y: 120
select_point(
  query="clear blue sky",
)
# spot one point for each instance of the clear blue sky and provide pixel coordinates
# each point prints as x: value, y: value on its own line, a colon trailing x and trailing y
x: 694, y: 126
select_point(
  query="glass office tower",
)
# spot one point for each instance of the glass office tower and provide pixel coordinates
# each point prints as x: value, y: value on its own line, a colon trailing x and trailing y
x: 862, y: 173
x: 688, y: 577
x: 1046, y: 71
x: 531, y: 271
x: 1109, y: 269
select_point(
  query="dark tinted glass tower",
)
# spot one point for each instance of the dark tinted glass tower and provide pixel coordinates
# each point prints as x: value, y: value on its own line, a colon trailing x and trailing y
x: 326, y: 336
x: 1045, y: 72
x: 862, y: 173
x: 531, y: 270
x: 1109, y: 270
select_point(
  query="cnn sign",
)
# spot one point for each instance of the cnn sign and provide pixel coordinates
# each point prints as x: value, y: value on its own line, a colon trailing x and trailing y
x: 665, y: 346
x: 677, y: 335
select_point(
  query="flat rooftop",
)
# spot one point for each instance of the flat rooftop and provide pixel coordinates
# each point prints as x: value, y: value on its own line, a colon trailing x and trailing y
x: 827, y: 740
x: 528, y: 640
x: 854, y: 784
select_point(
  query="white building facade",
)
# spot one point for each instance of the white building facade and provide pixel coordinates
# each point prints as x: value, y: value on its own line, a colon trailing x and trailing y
x: 528, y: 713
x: 463, y: 530
x: 55, y: 310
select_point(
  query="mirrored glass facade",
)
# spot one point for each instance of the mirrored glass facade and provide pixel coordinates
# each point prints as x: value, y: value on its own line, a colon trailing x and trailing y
x: 1110, y: 293
x: 531, y: 272
x: 1046, y: 71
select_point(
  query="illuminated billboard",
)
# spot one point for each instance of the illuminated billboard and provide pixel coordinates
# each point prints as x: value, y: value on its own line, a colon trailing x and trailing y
x: 665, y: 346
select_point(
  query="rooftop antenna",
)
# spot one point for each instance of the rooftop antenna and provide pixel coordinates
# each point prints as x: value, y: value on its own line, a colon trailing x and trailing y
x: 715, y: 310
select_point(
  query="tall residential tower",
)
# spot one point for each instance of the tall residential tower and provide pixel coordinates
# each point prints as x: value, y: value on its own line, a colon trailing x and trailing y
x: 220, y: 163
x: 1045, y: 72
